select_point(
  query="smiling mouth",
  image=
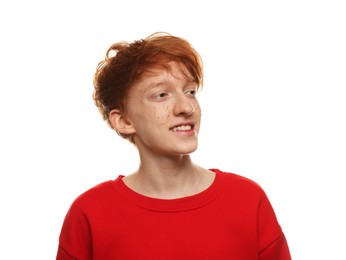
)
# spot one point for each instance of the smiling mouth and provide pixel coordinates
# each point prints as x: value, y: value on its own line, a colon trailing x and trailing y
x: 182, y: 128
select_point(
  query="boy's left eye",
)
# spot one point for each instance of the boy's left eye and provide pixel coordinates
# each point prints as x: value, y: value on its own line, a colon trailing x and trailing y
x: 192, y: 92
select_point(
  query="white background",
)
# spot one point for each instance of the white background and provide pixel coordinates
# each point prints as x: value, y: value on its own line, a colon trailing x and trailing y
x: 273, y: 109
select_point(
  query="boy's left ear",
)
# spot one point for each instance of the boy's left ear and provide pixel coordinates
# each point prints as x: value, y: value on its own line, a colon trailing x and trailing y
x: 121, y: 122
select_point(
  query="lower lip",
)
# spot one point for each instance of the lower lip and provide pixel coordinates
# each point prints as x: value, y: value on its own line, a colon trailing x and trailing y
x: 191, y: 132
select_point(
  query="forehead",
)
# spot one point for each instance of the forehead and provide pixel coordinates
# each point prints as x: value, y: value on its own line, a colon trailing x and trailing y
x: 158, y: 75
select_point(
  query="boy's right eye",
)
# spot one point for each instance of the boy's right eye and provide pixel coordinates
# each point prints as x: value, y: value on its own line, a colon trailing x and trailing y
x: 160, y: 95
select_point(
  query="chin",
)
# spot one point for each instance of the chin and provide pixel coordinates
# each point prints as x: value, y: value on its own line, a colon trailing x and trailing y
x: 186, y: 150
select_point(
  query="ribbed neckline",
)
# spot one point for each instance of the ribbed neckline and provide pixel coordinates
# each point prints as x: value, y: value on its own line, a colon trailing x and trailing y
x: 170, y: 205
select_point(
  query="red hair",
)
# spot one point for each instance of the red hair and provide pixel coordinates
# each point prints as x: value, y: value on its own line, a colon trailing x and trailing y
x: 126, y: 62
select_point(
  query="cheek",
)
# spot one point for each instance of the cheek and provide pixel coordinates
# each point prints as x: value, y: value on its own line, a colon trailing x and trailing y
x: 197, y: 108
x: 162, y: 114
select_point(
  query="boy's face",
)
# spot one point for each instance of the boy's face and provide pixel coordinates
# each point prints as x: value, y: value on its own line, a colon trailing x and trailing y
x: 164, y: 112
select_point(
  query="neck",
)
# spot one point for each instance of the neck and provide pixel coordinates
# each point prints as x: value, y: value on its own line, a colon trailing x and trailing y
x: 168, y: 175
x: 168, y: 178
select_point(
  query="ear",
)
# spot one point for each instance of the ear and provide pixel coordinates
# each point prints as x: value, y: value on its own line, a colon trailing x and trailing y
x: 121, y: 122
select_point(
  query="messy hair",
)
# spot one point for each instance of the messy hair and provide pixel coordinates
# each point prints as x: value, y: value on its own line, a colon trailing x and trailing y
x: 125, y: 63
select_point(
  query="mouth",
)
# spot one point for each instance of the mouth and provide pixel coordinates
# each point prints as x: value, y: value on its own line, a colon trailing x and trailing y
x: 187, y: 127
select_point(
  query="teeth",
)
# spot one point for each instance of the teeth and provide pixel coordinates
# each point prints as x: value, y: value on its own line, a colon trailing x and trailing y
x: 182, y: 128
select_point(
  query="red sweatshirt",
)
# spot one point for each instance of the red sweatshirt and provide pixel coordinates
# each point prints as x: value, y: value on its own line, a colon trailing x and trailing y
x: 232, y: 219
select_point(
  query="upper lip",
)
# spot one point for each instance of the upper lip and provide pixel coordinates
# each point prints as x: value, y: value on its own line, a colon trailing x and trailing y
x: 192, y: 124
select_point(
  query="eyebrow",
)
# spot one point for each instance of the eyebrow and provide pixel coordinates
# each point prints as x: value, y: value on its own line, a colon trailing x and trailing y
x: 158, y: 83
x: 163, y: 82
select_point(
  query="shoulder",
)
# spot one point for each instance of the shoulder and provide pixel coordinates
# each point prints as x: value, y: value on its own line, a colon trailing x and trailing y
x: 238, y: 183
x: 95, y: 191
x: 96, y: 196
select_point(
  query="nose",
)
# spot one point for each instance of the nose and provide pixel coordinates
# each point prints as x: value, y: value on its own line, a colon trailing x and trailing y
x: 184, y: 106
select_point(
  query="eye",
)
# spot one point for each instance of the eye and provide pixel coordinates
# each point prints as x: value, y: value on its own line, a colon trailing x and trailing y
x: 191, y: 92
x: 160, y: 95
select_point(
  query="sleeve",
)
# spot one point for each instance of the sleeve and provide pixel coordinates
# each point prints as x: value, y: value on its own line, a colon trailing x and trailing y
x: 75, y: 236
x: 271, y: 240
